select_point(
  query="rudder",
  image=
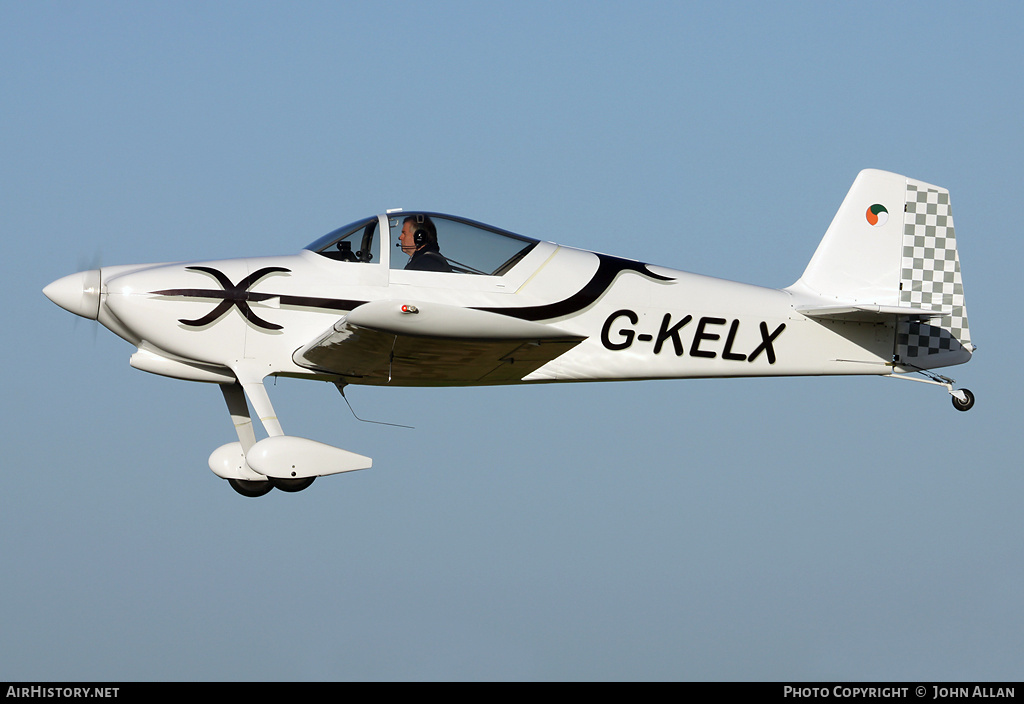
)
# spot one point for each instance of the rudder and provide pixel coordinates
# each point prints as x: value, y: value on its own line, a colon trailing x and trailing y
x: 930, y: 278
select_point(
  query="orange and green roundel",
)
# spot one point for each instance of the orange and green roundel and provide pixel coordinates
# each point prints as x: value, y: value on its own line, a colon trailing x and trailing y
x: 877, y: 215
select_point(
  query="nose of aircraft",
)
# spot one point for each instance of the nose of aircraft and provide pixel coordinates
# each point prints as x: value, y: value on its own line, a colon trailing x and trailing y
x: 78, y: 293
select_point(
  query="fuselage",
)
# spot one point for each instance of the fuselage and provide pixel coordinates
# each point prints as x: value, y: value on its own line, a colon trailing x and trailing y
x: 639, y: 321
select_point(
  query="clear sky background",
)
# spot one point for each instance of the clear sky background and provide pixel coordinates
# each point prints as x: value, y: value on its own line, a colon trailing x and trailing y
x: 785, y: 529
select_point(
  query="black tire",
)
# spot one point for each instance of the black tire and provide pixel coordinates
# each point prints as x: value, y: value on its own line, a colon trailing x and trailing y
x: 252, y: 489
x: 292, y: 485
x: 964, y: 405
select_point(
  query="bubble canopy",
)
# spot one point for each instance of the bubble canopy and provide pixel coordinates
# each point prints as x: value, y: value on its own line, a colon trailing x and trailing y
x: 468, y: 246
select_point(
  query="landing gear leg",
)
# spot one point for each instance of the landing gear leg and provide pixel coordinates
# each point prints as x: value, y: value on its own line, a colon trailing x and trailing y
x: 255, y: 484
x: 963, y: 399
x: 239, y: 410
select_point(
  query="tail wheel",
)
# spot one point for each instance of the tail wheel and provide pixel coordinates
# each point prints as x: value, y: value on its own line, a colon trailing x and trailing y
x: 966, y: 404
x: 252, y: 489
x: 292, y: 485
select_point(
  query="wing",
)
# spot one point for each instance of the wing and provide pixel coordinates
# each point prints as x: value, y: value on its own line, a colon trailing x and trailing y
x: 432, y: 344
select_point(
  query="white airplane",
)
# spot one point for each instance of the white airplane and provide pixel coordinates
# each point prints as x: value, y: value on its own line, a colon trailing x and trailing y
x: 466, y: 304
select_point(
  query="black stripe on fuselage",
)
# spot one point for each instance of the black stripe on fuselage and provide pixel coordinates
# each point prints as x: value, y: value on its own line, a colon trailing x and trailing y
x: 608, y: 269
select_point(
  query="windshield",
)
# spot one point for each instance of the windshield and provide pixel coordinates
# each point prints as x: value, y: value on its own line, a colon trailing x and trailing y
x: 444, y: 243
x: 354, y: 242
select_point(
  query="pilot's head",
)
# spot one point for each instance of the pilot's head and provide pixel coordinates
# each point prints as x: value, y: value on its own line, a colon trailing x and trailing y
x: 418, y: 231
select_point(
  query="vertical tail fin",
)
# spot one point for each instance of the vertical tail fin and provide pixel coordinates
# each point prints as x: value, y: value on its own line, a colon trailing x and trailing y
x: 892, y: 248
x: 858, y: 259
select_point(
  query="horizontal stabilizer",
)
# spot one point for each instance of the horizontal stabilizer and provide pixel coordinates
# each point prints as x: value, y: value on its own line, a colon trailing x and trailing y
x: 869, y: 313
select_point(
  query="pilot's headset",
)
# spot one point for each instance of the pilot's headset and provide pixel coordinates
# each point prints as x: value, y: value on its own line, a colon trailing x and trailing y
x: 421, y: 233
x: 422, y: 230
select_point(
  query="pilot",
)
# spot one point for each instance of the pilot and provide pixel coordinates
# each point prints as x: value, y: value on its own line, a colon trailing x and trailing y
x: 419, y: 241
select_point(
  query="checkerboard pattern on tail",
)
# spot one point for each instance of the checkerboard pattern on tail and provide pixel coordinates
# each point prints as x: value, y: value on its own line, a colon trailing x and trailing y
x: 930, y: 278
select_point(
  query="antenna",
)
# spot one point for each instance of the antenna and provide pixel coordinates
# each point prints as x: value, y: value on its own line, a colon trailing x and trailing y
x: 341, y: 388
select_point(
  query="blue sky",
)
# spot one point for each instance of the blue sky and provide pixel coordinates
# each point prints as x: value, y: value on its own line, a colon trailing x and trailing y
x: 800, y: 529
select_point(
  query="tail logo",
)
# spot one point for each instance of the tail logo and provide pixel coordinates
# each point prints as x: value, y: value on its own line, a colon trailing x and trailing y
x: 877, y: 215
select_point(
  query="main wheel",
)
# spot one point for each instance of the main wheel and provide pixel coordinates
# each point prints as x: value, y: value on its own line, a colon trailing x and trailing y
x: 292, y: 485
x: 252, y: 489
x: 964, y: 405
